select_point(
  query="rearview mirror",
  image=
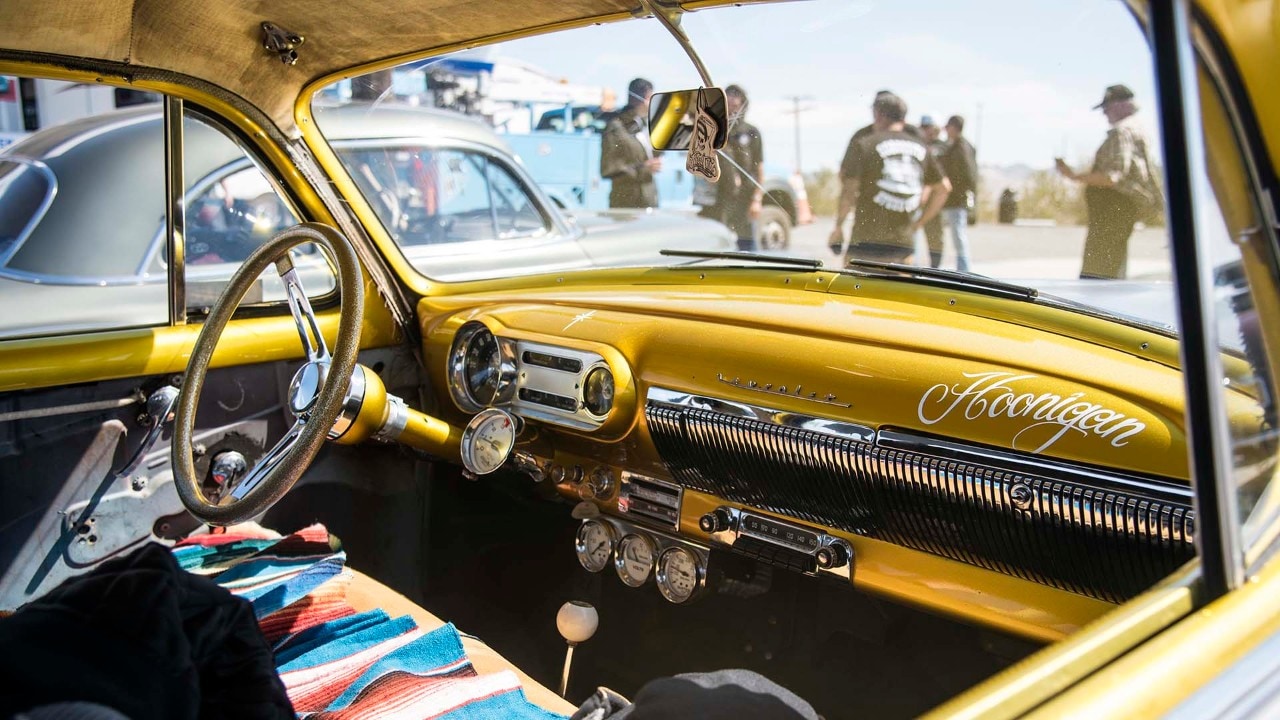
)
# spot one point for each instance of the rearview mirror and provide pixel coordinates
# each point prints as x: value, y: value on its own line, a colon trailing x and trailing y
x: 671, y: 117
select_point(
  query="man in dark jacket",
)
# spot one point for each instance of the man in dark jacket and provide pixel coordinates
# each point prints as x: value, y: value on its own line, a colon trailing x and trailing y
x: 884, y: 175
x: 960, y: 164
x: 626, y: 157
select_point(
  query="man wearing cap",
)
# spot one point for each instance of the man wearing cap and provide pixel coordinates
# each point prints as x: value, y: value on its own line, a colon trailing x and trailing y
x: 885, y: 174
x: 626, y: 158
x: 1117, y: 190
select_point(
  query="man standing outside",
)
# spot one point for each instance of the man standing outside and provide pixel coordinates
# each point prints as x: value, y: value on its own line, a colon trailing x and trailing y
x: 740, y: 191
x: 1117, y: 189
x: 960, y: 165
x: 884, y: 174
x: 626, y: 157
x: 931, y: 134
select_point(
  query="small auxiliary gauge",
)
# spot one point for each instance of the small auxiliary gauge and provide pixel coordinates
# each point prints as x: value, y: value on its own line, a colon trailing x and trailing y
x: 593, y: 545
x: 488, y: 440
x: 634, y: 559
x: 680, y: 574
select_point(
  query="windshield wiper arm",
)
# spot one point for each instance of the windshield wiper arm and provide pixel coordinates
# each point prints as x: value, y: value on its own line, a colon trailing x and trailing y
x: 748, y: 256
x: 950, y: 277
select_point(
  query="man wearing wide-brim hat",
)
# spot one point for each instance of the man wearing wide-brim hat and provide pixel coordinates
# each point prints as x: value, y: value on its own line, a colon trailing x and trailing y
x: 1120, y: 189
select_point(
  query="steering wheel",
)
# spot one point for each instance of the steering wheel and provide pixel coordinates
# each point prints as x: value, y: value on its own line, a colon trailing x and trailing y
x: 315, y: 394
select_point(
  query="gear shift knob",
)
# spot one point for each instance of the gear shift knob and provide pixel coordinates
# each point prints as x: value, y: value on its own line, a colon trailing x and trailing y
x: 577, y: 621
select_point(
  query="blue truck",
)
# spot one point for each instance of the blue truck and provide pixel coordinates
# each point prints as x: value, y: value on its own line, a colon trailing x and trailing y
x: 562, y: 153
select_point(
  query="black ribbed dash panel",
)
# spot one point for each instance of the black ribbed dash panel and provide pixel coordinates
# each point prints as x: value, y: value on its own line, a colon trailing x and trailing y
x: 1094, y: 540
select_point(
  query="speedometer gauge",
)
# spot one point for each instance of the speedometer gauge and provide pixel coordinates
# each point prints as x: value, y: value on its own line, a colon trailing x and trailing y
x: 594, y: 545
x: 634, y: 560
x: 680, y: 574
x: 488, y: 440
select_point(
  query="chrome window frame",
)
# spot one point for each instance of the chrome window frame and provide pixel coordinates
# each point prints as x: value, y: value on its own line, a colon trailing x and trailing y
x: 38, y: 215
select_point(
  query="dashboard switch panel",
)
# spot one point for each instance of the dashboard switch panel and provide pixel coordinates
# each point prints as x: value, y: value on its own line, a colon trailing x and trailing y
x: 650, y: 498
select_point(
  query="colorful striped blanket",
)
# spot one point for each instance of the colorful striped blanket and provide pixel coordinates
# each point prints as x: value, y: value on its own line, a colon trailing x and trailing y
x: 335, y: 662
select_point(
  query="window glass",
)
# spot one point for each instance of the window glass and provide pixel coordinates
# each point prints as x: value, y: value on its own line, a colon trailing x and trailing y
x: 82, y: 211
x: 432, y: 196
x: 232, y: 208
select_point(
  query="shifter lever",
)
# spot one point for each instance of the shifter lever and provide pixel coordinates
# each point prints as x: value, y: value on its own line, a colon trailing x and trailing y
x: 577, y: 622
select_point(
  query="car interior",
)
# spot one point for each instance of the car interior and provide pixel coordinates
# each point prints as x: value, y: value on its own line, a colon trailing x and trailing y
x: 888, y: 488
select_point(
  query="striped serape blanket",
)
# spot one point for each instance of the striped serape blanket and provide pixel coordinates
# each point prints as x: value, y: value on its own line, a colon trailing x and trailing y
x: 335, y: 662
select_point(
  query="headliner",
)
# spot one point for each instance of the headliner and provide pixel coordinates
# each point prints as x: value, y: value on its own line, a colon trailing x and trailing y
x: 220, y: 42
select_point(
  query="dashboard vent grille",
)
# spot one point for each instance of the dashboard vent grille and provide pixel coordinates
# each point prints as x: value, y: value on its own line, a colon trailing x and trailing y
x: 1108, y: 537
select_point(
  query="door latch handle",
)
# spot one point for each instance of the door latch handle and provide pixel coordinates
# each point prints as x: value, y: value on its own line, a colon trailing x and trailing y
x: 159, y: 412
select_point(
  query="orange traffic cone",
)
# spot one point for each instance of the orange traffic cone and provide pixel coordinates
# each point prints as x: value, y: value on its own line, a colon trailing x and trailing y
x: 804, y: 215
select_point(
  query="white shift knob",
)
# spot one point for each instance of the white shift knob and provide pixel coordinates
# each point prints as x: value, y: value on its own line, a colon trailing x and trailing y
x: 577, y: 621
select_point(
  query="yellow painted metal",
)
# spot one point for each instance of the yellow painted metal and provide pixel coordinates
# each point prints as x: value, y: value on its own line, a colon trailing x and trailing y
x: 1037, y: 679
x: 49, y: 362
x: 1251, y: 31
x: 431, y: 434
x: 944, y: 586
x: 1153, y: 678
x: 900, y: 362
x: 372, y: 414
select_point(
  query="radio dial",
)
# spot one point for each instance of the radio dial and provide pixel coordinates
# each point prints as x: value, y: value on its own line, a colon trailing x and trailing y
x: 830, y: 557
x: 717, y: 520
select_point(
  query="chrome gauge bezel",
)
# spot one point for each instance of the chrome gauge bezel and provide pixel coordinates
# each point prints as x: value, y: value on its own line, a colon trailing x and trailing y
x: 620, y: 559
x: 470, y: 434
x: 664, y: 582
x: 460, y: 388
x: 582, y: 393
x: 580, y: 545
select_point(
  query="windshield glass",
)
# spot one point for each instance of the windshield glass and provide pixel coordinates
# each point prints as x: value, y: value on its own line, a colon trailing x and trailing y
x: 975, y: 138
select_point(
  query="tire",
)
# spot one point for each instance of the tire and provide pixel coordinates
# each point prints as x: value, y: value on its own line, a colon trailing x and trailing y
x: 774, y: 227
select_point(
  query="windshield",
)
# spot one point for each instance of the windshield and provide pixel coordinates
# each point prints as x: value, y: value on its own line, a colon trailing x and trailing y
x: 997, y: 139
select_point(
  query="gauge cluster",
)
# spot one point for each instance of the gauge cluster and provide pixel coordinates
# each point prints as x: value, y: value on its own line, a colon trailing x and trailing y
x: 560, y: 385
x: 641, y: 555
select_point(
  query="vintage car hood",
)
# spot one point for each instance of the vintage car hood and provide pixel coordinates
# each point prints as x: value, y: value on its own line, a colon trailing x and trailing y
x: 933, y: 361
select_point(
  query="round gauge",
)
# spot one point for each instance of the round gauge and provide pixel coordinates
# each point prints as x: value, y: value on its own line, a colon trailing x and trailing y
x: 594, y: 545
x: 597, y: 391
x: 680, y: 574
x: 488, y: 440
x: 634, y: 559
x: 482, y: 367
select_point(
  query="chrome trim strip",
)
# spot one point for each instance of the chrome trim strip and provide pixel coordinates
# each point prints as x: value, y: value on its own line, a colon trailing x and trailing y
x: 176, y: 209
x: 812, y: 423
x: 1044, y: 467
x: 397, y: 420
x: 351, y: 404
x: 43, y: 208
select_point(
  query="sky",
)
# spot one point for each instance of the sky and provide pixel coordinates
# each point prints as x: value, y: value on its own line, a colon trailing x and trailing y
x: 1025, y: 75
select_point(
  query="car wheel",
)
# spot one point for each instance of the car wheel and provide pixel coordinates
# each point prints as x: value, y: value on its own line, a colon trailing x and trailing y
x: 775, y: 228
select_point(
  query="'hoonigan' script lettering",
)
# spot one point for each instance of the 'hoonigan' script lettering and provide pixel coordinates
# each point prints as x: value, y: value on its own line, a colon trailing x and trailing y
x: 994, y: 395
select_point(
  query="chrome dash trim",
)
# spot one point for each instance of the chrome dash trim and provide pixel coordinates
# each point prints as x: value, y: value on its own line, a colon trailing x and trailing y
x: 176, y: 213
x: 785, y: 418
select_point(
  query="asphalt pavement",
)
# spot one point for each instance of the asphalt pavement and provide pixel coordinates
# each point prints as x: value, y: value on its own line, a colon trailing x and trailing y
x: 1014, y: 251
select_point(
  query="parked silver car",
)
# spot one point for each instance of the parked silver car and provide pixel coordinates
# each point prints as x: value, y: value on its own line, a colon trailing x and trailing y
x: 81, y: 235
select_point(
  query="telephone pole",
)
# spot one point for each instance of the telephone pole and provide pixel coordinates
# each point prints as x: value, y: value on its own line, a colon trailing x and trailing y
x: 796, y: 110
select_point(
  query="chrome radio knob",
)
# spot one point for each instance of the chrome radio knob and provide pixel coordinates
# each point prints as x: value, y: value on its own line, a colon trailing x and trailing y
x: 598, y: 485
x: 717, y: 520
x: 830, y: 557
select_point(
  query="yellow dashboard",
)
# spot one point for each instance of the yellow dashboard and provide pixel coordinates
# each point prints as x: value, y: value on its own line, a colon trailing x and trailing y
x: 969, y: 456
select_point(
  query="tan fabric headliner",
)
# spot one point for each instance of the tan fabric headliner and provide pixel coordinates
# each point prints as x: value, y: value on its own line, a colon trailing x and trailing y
x: 219, y: 41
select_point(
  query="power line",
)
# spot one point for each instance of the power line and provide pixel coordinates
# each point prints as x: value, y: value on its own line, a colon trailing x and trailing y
x: 796, y: 110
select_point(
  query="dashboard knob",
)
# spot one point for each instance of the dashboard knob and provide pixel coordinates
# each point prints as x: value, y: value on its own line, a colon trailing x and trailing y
x: 717, y: 520
x: 830, y: 557
x: 598, y: 485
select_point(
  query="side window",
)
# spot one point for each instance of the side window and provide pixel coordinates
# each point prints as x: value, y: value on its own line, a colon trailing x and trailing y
x: 433, y: 196
x: 232, y: 208
x: 82, y: 212
x: 466, y: 200
x: 516, y: 213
